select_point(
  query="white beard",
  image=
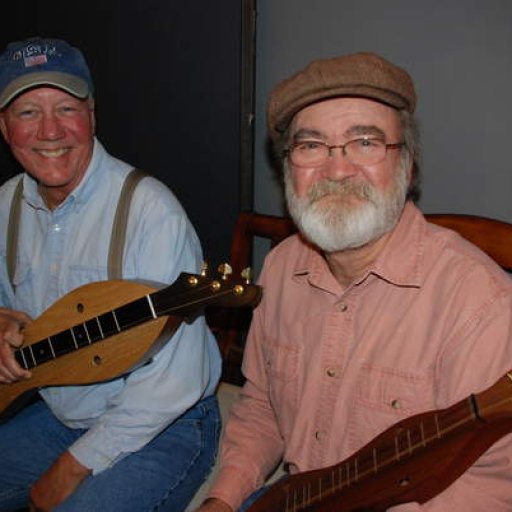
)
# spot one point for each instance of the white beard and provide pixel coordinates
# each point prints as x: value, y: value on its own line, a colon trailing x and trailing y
x: 328, y: 217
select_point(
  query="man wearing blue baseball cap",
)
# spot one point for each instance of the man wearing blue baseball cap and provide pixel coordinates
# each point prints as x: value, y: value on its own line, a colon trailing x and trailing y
x: 142, y: 441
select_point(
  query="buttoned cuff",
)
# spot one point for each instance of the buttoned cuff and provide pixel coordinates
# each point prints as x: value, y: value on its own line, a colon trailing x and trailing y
x: 98, y: 449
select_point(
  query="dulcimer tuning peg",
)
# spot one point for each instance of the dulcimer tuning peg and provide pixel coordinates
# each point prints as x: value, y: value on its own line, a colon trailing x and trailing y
x: 225, y: 270
x: 246, y: 275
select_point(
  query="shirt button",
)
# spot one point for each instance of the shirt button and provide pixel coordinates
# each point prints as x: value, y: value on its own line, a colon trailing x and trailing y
x: 319, y: 435
x: 342, y: 307
x: 331, y: 372
x: 395, y: 403
x: 56, y: 227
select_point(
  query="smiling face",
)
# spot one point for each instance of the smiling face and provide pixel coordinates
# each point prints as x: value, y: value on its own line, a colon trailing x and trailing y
x: 51, y: 134
x: 340, y: 205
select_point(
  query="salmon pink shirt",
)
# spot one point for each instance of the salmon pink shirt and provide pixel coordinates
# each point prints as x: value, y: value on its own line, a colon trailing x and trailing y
x: 328, y: 368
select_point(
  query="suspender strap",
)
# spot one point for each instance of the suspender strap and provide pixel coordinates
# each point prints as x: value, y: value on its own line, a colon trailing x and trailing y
x: 117, y: 239
x: 12, y: 231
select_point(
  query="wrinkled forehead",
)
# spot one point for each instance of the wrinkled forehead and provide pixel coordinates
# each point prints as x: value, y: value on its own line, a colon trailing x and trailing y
x: 346, y: 118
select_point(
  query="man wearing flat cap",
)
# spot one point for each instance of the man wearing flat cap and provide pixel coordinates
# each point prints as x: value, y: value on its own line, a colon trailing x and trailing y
x: 144, y: 440
x: 369, y: 314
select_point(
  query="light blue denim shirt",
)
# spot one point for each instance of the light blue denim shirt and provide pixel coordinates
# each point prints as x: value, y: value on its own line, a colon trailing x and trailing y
x: 62, y: 249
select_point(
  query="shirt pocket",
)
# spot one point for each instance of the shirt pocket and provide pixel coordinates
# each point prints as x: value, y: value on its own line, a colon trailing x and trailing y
x: 283, y: 362
x: 23, y: 286
x: 22, y: 273
x: 385, y: 396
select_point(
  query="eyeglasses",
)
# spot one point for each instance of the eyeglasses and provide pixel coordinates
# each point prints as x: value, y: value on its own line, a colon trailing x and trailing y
x: 314, y: 153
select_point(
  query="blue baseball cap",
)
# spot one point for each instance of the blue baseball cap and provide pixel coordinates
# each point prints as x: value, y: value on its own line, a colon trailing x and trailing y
x: 39, y: 62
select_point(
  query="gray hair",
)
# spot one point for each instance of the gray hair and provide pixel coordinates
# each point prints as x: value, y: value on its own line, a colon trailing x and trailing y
x: 411, y: 136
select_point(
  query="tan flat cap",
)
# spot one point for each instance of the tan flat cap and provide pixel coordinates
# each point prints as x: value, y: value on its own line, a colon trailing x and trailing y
x: 364, y: 75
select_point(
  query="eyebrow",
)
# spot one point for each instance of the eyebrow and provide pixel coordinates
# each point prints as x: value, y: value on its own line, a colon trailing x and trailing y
x: 365, y: 130
x: 305, y: 133
x: 356, y: 130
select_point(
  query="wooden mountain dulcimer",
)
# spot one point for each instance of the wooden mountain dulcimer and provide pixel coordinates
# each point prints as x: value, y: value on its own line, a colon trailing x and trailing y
x: 106, y: 329
x: 412, y: 461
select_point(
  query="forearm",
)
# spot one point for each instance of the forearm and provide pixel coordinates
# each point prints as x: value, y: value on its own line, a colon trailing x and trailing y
x: 57, y: 483
x: 251, y: 448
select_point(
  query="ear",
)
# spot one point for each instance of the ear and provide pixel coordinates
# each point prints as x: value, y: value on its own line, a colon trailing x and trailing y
x: 3, y: 127
x: 92, y: 115
x: 93, y: 123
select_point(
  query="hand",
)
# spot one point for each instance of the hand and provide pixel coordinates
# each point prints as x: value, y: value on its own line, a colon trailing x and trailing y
x: 57, y: 483
x: 214, y: 505
x: 11, y: 336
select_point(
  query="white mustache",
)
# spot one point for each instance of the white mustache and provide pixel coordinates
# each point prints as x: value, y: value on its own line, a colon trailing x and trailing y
x: 326, y: 187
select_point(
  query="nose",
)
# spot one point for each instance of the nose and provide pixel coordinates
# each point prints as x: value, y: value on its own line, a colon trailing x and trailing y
x: 50, y: 127
x: 337, y: 166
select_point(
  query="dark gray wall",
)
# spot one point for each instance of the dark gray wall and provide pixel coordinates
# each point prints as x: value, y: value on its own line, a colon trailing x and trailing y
x: 460, y: 55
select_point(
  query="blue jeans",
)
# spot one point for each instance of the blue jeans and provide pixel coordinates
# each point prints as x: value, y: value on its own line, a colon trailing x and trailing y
x: 162, y: 476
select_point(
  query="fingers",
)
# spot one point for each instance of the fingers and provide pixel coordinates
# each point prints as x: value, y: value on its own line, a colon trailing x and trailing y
x: 10, y: 370
x: 11, y: 336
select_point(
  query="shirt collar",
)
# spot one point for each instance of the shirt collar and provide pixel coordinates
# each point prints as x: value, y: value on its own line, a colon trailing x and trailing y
x: 311, y: 266
x: 400, y: 262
